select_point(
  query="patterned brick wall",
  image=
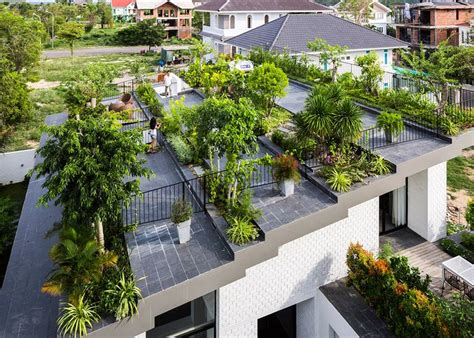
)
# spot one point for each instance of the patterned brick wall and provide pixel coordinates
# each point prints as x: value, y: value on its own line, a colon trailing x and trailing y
x: 296, y: 273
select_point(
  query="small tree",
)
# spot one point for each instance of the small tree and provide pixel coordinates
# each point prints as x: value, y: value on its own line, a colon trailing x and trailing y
x: 372, y: 72
x: 358, y: 10
x: 145, y: 32
x: 104, y: 11
x: 91, y: 168
x: 328, y: 54
x: 71, y: 31
x: 267, y: 83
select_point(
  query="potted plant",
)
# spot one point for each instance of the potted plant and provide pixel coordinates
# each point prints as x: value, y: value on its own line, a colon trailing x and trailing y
x: 392, y: 124
x: 286, y: 173
x: 181, y: 213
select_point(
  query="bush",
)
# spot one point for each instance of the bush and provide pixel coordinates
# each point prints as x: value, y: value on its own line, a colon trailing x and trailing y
x: 124, y: 297
x: 181, y: 211
x: 286, y: 167
x: 244, y: 208
x: 241, y: 231
x: 183, y: 150
x: 390, y: 122
x: 339, y: 180
x: 7, y: 226
x: 454, y: 249
x: 404, y: 273
x: 470, y: 213
x: 147, y: 94
x: 467, y: 239
x: 76, y: 318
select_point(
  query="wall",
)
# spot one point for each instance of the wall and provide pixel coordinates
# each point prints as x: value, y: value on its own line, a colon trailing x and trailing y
x: 329, y: 316
x: 427, y: 202
x: 295, y: 275
x: 15, y: 165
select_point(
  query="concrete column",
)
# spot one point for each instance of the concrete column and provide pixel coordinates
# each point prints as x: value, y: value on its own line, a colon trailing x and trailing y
x: 427, y: 202
x: 141, y: 335
x: 305, y: 319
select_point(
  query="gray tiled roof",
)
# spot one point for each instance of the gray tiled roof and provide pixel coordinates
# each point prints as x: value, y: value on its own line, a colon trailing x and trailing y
x: 261, y: 5
x: 294, y: 31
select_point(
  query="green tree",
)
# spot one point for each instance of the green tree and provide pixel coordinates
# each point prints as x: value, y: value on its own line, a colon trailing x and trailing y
x: 470, y: 213
x: 145, y: 32
x: 104, y: 12
x: 20, y: 40
x: 328, y: 54
x: 358, y: 10
x: 15, y: 103
x: 86, y: 163
x: 372, y: 72
x: 267, y: 83
x: 71, y: 32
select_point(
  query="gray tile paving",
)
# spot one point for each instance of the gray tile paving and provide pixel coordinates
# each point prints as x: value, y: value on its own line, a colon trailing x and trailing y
x: 402, y: 152
x: 24, y: 310
x: 165, y: 172
x: 295, y: 97
x: 191, y: 98
x: 160, y: 262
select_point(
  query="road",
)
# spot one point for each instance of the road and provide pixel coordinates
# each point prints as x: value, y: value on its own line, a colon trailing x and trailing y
x: 92, y: 51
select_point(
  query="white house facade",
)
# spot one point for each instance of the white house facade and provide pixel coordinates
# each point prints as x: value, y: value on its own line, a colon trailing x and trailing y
x: 380, y: 16
x: 123, y: 10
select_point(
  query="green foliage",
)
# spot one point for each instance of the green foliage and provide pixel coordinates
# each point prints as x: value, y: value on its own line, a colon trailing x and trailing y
x: 359, y: 10
x: 458, y: 174
x: 408, y: 275
x: 176, y: 116
x: 7, y: 226
x: 339, y: 180
x: 124, y: 296
x: 147, y: 94
x: 386, y: 251
x: 79, y: 262
x: 85, y: 164
x: 379, y: 165
x: 76, y: 317
x: 20, y: 40
x: 470, y: 213
x: 453, y: 228
x: 71, y: 32
x: 458, y: 313
x: 181, y: 211
x: 467, y: 239
x: 454, y: 249
x: 90, y: 82
x: 278, y: 118
x: 241, y: 231
x: 244, y: 208
x: 328, y: 54
x: 372, y: 72
x: 146, y: 32
x: 293, y: 144
x: 390, y: 122
x: 183, y: 150
x: 286, y: 167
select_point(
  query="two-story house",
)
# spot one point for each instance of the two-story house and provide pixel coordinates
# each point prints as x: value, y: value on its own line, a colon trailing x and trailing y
x: 379, y: 18
x: 233, y: 17
x: 123, y: 10
x: 175, y: 15
x: 430, y: 23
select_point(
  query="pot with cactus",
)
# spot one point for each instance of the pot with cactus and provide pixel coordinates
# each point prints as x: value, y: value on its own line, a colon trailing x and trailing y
x: 392, y: 124
x: 286, y: 173
x: 181, y: 213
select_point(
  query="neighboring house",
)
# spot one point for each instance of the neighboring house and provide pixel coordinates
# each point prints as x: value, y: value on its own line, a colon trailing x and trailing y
x: 430, y: 23
x: 379, y: 19
x: 229, y: 18
x: 293, y: 32
x: 123, y: 10
x: 175, y: 15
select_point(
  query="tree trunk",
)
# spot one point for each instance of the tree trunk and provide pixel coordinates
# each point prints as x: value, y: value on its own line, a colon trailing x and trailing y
x: 99, y: 228
x: 334, y: 73
x: 71, y: 46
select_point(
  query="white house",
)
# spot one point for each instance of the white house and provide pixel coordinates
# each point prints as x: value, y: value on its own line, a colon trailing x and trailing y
x: 123, y: 10
x: 233, y: 17
x: 380, y: 17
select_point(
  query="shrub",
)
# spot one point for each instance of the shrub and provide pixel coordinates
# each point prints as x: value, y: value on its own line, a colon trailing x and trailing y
x: 241, y: 231
x: 7, y: 226
x: 181, y: 211
x: 467, y: 239
x: 286, y: 167
x: 454, y: 249
x: 244, y: 208
x: 339, y: 180
x: 125, y: 296
x: 390, y: 122
x: 76, y: 318
x: 379, y: 165
x: 408, y: 275
x: 147, y: 94
x: 182, y: 149
x: 470, y: 213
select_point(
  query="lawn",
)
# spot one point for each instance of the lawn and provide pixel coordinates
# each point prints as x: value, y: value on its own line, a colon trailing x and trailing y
x: 460, y: 172
x: 96, y: 37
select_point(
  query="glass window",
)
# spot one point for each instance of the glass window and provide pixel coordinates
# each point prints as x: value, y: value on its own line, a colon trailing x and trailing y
x: 160, y: 12
x: 385, y: 56
x: 232, y: 22
x: 267, y: 18
x: 148, y: 12
x: 249, y: 21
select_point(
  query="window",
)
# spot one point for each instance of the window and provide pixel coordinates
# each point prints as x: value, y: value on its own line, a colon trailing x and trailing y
x: 172, y: 13
x: 385, y: 56
x: 332, y: 333
x: 249, y: 21
x: 457, y: 14
x: 232, y: 22
x: 160, y: 12
x: 148, y: 12
x: 267, y: 18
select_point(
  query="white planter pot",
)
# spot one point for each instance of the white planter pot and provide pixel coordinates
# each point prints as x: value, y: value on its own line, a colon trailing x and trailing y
x: 287, y: 187
x: 391, y: 138
x: 184, y: 231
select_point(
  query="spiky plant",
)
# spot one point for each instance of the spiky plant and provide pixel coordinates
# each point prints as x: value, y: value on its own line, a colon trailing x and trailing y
x: 241, y: 231
x: 126, y: 294
x: 348, y: 124
x: 76, y: 318
x: 339, y: 180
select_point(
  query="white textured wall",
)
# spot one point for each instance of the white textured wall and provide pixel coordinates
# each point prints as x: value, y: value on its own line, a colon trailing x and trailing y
x: 427, y: 202
x: 305, y: 323
x: 329, y: 316
x: 15, y: 165
x: 295, y: 275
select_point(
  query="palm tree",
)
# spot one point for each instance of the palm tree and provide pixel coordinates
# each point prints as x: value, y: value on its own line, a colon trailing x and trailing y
x: 347, y: 124
x: 316, y: 120
x: 79, y: 262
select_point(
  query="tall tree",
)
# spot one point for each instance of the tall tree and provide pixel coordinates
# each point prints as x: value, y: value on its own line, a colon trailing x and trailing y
x: 145, y: 32
x: 104, y: 12
x: 91, y: 168
x: 20, y: 40
x: 71, y: 32
x: 358, y: 10
x: 372, y: 72
x: 328, y: 54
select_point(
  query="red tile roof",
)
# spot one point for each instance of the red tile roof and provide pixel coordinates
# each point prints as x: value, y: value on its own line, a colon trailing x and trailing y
x: 121, y: 3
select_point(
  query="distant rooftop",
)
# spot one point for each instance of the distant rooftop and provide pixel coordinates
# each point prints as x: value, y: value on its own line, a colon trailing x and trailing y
x: 261, y: 5
x: 294, y: 31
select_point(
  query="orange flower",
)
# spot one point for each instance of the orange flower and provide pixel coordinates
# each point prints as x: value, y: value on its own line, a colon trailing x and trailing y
x: 381, y: 266
x: 400, y: 288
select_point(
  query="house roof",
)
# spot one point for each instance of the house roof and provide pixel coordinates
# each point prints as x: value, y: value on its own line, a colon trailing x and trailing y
x: 261, y: 5
x: 152, y: 4
x: 294, y: 31
x: 121, y: 3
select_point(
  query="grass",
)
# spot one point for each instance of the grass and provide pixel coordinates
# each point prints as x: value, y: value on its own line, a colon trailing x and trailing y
x: 458, y: 176
x: 59, y: 69
x: 96, y: 37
